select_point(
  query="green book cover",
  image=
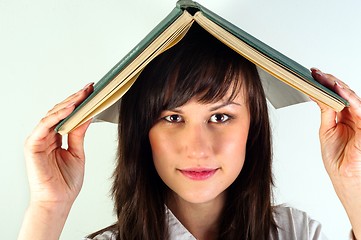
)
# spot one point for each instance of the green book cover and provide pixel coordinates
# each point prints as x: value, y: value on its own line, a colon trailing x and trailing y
x: 278, y: 57
x: 172, y: 16
x: 193, y: 7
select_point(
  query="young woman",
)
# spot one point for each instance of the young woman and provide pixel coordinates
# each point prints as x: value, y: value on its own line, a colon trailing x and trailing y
x: 194, y: 156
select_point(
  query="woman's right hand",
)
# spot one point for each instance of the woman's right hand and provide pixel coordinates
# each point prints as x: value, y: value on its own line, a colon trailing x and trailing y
x: 55, y: 174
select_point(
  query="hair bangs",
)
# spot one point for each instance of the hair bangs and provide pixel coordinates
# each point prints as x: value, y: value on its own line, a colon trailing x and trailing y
x: 200, y: 67
x: 204, y: 79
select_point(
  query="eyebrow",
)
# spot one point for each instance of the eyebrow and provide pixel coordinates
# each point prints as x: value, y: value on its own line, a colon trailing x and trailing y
x: 224, y: 105
x: 215, y: 108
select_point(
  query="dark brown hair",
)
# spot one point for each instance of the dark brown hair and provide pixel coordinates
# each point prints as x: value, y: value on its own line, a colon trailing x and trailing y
x: 198, y: 66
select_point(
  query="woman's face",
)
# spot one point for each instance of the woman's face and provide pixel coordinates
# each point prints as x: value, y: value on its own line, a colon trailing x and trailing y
x: 199, y: 149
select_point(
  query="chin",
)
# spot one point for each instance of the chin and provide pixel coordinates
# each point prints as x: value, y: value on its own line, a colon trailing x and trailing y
x: 198, y: 197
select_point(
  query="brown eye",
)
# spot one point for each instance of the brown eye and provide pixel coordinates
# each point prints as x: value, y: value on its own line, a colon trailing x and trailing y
x: 174, y: 118
x: 219, y: 118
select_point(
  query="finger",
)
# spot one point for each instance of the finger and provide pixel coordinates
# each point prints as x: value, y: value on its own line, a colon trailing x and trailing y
x: 86, y: 87
x: 329, y: 81
x: 354, y: 101
x: 351, y: 115
x: 44, y: 135
x: 328, y: 117
x: 44, y: 131
x: 336, y: 85
x: 48, y: 123
x: 76, y: 140
x: 322, y: 78
x: 54, y: 143
x: 343, y: 90
x: 75, y: 98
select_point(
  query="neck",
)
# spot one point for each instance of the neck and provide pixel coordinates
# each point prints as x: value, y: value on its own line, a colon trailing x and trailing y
x: 200, y: 219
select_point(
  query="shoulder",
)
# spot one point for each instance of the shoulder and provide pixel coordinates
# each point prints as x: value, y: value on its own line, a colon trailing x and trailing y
x: 295, y: 224
x: 107, y: 235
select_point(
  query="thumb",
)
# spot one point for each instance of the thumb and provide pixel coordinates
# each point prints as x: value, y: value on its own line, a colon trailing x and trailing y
x: 76, y: 140
x: 328, y: 117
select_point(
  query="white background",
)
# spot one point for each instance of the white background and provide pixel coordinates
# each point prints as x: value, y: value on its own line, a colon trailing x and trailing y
x: 50, y: 49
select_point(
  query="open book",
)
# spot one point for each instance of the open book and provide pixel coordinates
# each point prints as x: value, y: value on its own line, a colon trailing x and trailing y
x: 285, y: 81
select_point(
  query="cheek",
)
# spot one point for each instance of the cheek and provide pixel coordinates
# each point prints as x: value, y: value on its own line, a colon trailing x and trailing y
x: 155, y: 143
x: 231, y: 150
x: 231, y: 143
x: 163, y: 151
x: 161, y: 145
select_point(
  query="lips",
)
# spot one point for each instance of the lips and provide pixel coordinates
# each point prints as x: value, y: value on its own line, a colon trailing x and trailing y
x: 198, y: 174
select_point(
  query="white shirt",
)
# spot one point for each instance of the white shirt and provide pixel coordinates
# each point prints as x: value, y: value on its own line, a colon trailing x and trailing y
x: 293, y: 225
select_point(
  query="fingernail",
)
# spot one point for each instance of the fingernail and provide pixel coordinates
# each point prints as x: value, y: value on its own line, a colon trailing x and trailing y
x: 339, y: 84
x: 88, y: 85
x: 317, y: 71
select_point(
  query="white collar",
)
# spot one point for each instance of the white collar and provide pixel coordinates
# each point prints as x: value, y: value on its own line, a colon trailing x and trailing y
x: 176, y: 229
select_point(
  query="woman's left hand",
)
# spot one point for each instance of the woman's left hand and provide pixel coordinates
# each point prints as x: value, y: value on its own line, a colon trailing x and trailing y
x: 340, y: 138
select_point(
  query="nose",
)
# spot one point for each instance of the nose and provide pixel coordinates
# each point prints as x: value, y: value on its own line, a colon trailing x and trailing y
x: 197, y: 142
